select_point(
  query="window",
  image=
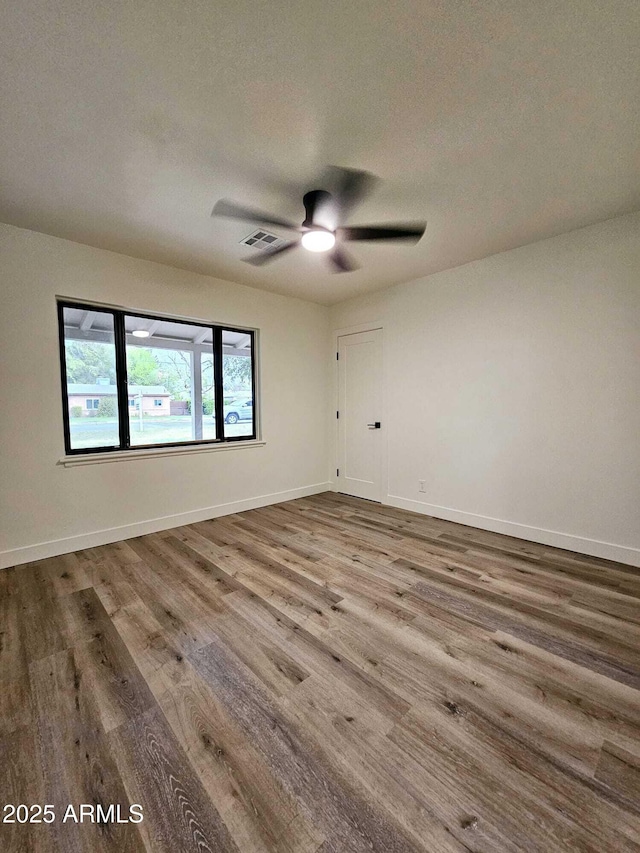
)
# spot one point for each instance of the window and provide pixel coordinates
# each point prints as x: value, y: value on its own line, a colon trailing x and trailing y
x: 131, y: 380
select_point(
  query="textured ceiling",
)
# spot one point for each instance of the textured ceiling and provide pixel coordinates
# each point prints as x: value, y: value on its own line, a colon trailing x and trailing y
x: 499, y: 122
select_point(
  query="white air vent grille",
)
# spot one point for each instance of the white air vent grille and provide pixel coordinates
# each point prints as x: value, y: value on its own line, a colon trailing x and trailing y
x: 262, y: 239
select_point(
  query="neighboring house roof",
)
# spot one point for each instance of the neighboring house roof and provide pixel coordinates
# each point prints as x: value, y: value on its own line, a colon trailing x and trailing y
x: 96, y: 390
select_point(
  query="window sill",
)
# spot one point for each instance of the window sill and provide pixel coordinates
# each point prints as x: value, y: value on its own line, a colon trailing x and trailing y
x: 153, y: 452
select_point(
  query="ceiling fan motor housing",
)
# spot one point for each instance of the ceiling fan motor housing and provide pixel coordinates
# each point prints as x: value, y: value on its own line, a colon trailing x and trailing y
x: 318, y: 208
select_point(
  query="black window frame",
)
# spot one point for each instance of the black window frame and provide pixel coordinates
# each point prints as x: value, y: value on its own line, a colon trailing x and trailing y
x: 120, y: 344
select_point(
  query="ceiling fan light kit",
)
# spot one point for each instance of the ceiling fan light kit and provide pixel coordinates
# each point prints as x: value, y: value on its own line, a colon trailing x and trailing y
x: 321, y: 230
x: 318, y: 241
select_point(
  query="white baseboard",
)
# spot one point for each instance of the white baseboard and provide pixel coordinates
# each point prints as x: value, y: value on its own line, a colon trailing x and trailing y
x: 55, y: 547
x: 567, y: 541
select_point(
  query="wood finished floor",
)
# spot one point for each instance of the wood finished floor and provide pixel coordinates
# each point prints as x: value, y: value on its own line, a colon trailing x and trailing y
x: 324, y: 676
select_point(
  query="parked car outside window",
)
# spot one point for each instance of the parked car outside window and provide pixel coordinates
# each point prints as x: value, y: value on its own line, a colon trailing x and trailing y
x: 240, y: 409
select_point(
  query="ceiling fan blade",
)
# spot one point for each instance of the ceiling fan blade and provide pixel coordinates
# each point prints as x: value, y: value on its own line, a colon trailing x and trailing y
x: 269, y: 254
x: 412, y: 231
x: 342, y: 261
x: 231, y: 210
x: 349, y: 186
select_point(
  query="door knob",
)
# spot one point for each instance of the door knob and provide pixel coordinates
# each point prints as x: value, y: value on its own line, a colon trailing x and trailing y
x: 375, y: 425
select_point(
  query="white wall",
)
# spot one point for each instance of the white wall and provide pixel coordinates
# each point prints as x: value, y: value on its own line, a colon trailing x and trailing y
x: 512, y: 387
x: 46, y: 508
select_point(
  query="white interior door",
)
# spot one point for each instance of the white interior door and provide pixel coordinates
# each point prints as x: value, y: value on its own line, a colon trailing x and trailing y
x: 359, y: 415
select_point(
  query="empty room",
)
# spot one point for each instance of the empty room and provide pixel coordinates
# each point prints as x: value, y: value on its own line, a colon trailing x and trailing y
x: 320, y: 427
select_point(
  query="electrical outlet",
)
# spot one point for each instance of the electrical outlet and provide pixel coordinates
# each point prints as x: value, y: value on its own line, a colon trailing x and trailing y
x: 421, y: 487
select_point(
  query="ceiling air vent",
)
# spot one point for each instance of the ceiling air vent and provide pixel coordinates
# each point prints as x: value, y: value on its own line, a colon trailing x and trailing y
x: 262, y: 240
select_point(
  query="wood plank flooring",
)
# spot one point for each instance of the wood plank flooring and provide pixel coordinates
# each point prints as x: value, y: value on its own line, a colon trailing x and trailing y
x: 323, y: 676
